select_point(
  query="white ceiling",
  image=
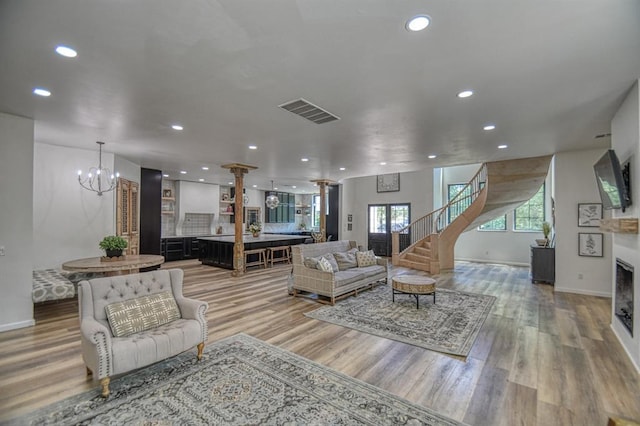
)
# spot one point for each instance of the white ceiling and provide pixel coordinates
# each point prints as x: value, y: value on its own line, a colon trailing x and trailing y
x: 549, y: 74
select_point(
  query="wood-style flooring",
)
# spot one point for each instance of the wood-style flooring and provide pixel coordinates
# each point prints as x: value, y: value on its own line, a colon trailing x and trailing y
x: 541, y: 358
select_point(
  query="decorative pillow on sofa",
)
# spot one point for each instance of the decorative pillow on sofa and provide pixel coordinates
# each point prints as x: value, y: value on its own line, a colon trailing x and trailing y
x: 332, y: 261
x: 324, y: 265
x: 311, y: 262
x: 366, y: 258
x: 346, y: 260
x: 143, y: 313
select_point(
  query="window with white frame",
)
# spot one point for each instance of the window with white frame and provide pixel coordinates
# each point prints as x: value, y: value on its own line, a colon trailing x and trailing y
x: 530, y: 215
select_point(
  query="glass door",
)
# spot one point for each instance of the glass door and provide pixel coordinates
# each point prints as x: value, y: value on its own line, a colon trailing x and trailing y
x: 384, y: 218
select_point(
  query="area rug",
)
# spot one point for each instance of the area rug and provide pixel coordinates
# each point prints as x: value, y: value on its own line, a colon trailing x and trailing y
x: 240, y: 381
x: 450, y: 326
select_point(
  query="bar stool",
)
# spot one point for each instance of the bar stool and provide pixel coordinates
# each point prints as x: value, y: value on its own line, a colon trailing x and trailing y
x: 261, y: 261
x: 285, y: 254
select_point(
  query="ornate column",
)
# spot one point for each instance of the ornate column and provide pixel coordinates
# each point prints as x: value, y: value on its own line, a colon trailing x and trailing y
x: 322, y: 184
x: 238, y: 170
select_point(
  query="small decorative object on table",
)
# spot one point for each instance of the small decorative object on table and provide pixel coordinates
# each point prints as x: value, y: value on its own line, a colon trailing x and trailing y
x: 546, y: 230
x: 255, y: 229
x: 113, y: 246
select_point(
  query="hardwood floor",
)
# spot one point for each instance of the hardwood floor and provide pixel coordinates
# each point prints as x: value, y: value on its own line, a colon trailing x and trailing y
x: 541, y: 358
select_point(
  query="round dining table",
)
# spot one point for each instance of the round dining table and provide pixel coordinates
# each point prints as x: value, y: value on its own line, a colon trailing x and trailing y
x: 130, y: 264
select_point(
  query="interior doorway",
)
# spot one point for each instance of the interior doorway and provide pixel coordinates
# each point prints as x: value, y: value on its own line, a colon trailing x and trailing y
x: 383, y: 219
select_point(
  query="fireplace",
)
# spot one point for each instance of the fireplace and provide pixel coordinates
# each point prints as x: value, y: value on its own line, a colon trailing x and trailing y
x: 624, y: 294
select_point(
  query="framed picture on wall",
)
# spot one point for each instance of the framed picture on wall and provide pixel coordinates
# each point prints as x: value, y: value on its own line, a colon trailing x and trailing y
x: 349, y: 226
x: 166, y: 193
x: 388, y: 183
x: 589, y: 214
x: 349, y: 218
x: 590, y: 244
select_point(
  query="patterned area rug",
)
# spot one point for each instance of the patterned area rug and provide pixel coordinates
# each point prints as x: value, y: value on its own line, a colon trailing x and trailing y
x: 450, y: 326
x: 240, y: 381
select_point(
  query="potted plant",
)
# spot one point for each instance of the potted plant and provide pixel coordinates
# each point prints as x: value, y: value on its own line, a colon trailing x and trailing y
x: 546, y: 230
x: 113, y: 245
x: 255, y: 229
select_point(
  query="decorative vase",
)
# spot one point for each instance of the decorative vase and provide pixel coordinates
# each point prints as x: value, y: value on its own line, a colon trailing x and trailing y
x: 256, y: 234
x: 114, y: 253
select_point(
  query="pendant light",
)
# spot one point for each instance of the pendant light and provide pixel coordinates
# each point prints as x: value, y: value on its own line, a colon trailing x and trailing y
x: 272, y: 200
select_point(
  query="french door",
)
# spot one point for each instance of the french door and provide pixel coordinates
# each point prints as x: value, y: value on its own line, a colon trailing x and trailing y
x: 384, y: 218
x: 127, y: 217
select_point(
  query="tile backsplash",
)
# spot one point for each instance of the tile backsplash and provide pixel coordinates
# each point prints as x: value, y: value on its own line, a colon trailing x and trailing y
x: 197, y: 224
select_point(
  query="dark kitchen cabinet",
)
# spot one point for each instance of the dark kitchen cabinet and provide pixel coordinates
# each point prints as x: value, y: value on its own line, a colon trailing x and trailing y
x: 543, y: 264
x: 179, y: 248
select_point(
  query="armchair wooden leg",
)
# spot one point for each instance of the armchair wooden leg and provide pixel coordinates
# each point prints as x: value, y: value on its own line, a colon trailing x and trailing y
x: 105, y: 386
x: 89, y: 372
x: 200, y: 350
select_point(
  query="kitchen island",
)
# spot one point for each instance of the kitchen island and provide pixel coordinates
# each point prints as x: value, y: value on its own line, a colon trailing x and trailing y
x: 218, y: 251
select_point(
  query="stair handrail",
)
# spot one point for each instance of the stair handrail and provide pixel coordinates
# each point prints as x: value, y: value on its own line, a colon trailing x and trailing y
x: 436, y: 221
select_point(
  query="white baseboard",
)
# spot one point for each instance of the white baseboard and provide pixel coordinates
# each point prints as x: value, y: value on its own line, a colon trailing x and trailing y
x: 16, y: 325
x: 580, y: 291
x: 625, y: 348
x: 499, y: 262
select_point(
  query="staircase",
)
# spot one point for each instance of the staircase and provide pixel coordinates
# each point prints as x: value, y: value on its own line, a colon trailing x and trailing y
x: 498, y: 187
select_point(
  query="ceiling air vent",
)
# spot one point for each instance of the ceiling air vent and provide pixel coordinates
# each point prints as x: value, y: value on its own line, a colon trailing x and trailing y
x: 309, y: 111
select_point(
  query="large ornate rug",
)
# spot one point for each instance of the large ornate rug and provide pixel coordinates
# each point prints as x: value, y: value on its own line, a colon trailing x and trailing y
x: 240, y: 381
x: 450, y: 326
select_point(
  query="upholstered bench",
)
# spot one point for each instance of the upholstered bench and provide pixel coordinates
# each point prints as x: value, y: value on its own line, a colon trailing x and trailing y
x: 49, y: 284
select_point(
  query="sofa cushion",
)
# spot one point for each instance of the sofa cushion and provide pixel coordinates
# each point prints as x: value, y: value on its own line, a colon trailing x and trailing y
x: 366, y: 258
x: 346, y: 260
x: 142, y: 313
x: 324, y: 265
x: 347, y: 277
x: 311, y: 262
x: 332, y: 262
x: 370, y: 271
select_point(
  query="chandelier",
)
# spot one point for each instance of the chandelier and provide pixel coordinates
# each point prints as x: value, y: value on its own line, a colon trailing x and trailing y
x: 272, y: 200
x: 98, y: 179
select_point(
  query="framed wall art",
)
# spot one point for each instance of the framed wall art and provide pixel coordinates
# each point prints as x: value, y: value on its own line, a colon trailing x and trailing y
x: 388, y: 183
x: 166, y: 193
x: 589, y: 214
x: 590, y: 244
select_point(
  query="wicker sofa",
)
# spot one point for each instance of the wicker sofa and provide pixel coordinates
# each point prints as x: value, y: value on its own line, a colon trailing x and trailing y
x: 332, y: 284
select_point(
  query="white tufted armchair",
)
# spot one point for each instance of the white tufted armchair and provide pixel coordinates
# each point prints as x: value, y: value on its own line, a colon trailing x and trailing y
x: 106, y: 355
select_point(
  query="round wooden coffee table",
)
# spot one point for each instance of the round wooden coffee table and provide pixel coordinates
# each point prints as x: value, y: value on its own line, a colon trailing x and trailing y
x: 130, y: 264
x: 414, y: 285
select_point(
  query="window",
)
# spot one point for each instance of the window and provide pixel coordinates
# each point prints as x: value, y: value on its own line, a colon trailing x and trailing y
x: 316, y: 212
x: 530, y: 215
x: 497, y: 224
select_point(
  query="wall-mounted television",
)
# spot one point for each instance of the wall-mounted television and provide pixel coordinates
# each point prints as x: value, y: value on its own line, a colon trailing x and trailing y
x: 613, y: 182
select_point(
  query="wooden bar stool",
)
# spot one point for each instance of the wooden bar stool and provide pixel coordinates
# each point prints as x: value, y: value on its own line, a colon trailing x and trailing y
x: 285, y: 254
x: 261, y: 260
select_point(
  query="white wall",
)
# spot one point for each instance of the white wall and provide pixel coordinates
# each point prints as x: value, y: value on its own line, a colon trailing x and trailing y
x: 16, y: 226
x: 576, y: 183
x: 193, y: 197
x: 127, y: 169
x: 625, y: 140
x: 357, y: 193
x: 68, y: 220
x: 509, y: 247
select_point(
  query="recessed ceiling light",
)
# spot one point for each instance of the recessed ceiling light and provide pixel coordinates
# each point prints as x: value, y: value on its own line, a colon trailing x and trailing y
x: 255, y: 186
x: 294, y: 187
x: 200, y: 180
x: 489, y: 127
x: 465, y: 93
x: 41, y: 92
x: 275, y: 187
x: 205, y: 168
x: 418, y: 23
x: 165, y: 175
x: 230, y: 183
x: 432, y: 156
x: 177, y: 127
x: 502, y: 146
x: 66, y: 51
x: 342, y: 169
x: 383, y: 163
x: 304, y: 159
x: 183, y: 172
x: 253, y: 147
